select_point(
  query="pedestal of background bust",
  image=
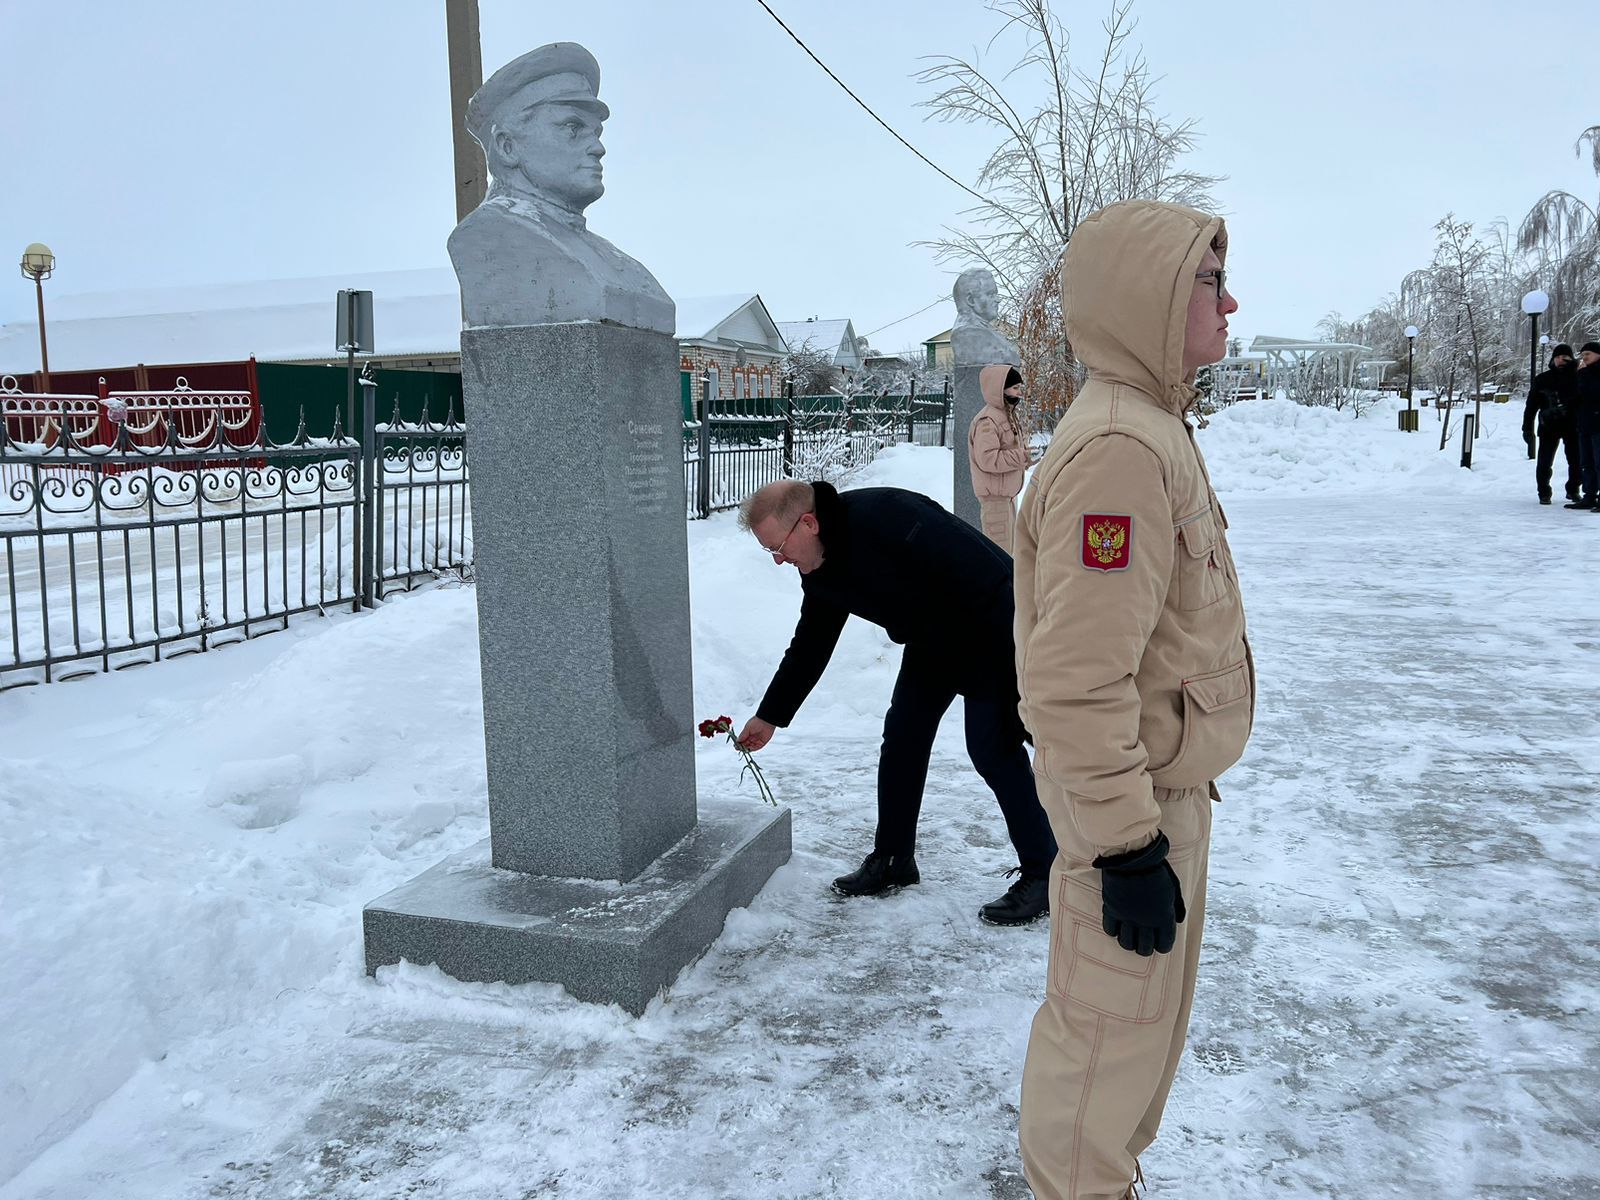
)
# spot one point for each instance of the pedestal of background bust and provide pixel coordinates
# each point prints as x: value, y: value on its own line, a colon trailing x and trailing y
x: 596, y: 874
x: 966, y: 402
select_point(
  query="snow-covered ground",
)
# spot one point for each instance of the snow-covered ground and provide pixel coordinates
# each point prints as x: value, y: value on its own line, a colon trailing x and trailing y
x: 1398, y: 997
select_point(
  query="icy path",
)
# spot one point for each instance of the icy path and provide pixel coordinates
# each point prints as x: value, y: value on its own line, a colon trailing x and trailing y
x: 1398, y: 997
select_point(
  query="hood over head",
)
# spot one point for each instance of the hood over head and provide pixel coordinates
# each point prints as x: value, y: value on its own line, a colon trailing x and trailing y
x: 1126, y: 281
x: 992, y: 383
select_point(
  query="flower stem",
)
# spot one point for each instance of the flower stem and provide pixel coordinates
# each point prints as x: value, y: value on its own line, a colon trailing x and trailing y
x: 754, y: 768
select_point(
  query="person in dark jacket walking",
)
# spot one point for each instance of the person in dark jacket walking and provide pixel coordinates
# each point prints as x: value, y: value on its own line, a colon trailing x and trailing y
x: 1549, y: 411
x: 943, y: 591
x: 1586, y: 409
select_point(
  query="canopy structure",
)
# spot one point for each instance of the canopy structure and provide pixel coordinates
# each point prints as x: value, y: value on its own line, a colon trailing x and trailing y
x: 1238, y: 377
x: 1288, y: 356
x: 1371, y: 370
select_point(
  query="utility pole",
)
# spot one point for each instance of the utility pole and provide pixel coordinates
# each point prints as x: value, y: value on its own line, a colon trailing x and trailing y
x: 466, y: 77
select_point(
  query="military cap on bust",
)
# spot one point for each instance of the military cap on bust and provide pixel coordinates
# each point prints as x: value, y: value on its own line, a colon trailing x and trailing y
x: 562, y: 72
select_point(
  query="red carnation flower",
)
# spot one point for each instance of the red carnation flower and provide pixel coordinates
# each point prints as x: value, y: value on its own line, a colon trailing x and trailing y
x: 724, y: 725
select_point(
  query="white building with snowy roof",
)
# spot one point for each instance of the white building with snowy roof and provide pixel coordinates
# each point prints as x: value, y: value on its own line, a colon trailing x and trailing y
x: 416, y: 323
x: 835, y: 338
x: 730, y: 342
x: 147, y: 334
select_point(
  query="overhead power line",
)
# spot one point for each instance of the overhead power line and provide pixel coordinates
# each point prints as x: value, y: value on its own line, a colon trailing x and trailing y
x: 907, y: 317
x: 868, y: 108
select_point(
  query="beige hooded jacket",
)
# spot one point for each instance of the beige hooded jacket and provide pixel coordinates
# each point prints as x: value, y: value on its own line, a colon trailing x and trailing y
x: 997, y: 455
x: 1130, y: 632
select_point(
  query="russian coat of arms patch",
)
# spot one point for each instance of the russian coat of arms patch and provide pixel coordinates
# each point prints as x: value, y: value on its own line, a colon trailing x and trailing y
x: 1107, y: 541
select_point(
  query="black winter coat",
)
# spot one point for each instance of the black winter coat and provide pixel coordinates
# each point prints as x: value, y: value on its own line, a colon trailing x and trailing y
x: 897, y: 559
x: 1550, y: 397
x: 1586, y: 391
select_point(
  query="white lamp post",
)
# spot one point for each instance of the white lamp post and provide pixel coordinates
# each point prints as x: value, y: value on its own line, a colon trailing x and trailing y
x: 37, y: 265
x: 1534, y: 303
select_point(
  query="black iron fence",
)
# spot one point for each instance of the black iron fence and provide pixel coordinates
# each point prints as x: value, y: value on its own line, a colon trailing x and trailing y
x: 142, y: 526
x: 138, y: 527
x: 734, y: 447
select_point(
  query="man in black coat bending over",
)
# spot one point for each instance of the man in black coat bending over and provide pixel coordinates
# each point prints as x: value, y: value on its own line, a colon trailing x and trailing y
x: 943, y: 591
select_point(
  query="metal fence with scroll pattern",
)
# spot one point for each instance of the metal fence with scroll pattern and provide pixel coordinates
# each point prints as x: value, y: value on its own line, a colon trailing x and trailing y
x: 138, y: 526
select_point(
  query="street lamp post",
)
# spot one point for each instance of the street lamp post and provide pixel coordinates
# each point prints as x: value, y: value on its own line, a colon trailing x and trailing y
x: 1408, y: 423
x: 37, y: 265
x: 1534, y: 303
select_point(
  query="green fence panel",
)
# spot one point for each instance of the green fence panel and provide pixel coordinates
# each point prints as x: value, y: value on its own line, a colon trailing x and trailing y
x: 321, y: 391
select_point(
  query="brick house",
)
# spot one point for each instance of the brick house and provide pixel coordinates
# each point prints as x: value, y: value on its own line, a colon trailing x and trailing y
x: 735, y: 336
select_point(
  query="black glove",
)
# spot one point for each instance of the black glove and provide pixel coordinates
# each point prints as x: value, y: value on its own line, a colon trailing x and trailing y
x: 1141, y: 904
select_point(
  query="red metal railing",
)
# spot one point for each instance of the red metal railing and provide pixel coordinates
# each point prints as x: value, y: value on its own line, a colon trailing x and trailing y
x: 180, y: 419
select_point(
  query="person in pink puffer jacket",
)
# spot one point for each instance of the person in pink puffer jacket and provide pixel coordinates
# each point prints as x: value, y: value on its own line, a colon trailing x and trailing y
x: 994, y: 442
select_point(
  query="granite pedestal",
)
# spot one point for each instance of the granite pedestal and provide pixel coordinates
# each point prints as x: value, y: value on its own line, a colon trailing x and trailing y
x: 581, y: 550
x: 966, y: 402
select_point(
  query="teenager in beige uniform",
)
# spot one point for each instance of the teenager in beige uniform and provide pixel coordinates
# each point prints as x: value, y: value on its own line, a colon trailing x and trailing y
x: 1137, y: 684
x: 998, y: 457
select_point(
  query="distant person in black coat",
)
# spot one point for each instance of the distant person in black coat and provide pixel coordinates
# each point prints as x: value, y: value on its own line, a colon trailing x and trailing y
x: 1586, y: 405
x: 1549, y: 412
x: 943, y: 591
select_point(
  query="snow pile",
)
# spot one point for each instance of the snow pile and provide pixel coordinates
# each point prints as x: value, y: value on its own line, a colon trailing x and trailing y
x: 186, y: 842
x: 1277, y: 447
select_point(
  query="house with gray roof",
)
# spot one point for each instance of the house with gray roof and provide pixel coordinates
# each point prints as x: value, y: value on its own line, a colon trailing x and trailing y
x: 835, y: 338
x: 734, y: 336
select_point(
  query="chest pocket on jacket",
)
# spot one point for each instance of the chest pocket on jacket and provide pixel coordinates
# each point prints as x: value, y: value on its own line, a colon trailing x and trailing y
x: 1200, y: 577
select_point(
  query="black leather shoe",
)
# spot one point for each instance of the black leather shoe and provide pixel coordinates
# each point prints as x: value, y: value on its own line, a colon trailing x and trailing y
x: 1026, y: 900
x: 1544, y: 499
x: 1578, y: 504
x: 879, y: 872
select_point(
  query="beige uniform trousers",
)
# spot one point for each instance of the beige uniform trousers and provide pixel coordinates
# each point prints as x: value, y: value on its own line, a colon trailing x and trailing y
x: 999, y: 518
x: 1106, y: 1042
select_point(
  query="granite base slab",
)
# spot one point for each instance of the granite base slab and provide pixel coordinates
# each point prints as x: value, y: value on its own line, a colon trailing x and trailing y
x: 605, y: 941
x: 966, y: 402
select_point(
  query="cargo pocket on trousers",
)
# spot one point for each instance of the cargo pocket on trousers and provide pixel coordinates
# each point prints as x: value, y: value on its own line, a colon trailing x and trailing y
x: 1201, y: 579
x: 1089, y: 968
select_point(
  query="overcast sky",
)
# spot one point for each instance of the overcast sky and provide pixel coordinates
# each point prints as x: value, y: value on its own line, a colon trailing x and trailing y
x: 178, y: 142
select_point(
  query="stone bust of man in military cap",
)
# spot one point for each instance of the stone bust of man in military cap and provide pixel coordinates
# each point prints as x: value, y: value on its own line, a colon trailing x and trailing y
x: 525, y: 256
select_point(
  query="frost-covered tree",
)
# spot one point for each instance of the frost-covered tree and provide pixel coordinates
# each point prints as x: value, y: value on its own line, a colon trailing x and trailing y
x: 1452, y: 303
x: 1320, y: 382
x: 1051, y: 373
x: 812, y: 371
x: 1381, y: 329
x: 1467, y: 301
x: 1071, y: 140
x: 1561, y: 233
x: 902, y: 374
